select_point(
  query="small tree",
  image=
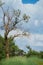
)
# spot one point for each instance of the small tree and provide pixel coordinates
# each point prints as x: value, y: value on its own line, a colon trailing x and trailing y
x: 30, y: 50
x: 11, y: 18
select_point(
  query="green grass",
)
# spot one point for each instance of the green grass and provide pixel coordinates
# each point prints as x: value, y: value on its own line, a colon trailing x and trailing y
x: 22, y: 61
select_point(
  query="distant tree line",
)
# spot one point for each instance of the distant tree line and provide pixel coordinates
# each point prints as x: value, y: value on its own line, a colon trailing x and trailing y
x: 34, y: 53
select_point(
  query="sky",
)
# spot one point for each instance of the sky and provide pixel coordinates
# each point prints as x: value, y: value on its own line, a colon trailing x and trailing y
x: 29, y: 1
x: 33, y: 8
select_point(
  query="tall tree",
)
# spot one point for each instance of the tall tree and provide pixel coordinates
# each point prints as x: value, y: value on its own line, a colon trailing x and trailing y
x: 11, y: 18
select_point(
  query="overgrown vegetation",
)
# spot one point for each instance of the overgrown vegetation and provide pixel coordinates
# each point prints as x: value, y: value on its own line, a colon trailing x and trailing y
x: 15, y: 51
x: 34, y: 53
x: 7, y: 45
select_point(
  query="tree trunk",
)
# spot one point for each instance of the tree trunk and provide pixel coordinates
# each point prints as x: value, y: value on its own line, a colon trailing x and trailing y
x: 6, y: 46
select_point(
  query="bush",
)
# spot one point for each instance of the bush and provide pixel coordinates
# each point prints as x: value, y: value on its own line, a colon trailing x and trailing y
x: 32, y: 53
x: 2, y: 47
x: 41, y: 54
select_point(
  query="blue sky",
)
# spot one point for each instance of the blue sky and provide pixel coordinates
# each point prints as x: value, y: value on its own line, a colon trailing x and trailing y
x: 29, y: 1
x: 34, y: 26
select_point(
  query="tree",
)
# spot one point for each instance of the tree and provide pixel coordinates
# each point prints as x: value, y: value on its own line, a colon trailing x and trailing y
x: 41, y: 54
x: 11, y: 18
x: 28, y: 47
x: 12, y: 48
x: 30, y: 51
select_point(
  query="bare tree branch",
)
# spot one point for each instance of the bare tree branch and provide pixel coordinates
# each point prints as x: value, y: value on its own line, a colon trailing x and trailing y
x: 3, y: 15
x: 23, y: 34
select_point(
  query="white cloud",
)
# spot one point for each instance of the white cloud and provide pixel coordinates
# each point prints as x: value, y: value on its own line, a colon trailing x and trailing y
x: 36, y: 22
x: 36, y: 40
x: 2, y: 32
x: 14, y: 32
x: 34, y: 10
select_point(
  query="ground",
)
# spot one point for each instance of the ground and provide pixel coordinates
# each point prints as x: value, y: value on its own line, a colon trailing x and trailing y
x: 22, y: 61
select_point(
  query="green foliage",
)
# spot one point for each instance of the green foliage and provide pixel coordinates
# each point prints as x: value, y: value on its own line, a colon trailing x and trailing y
x: 41, y: 54
x: 32, y: 52
x: 12, y: 47
x: 2, y: 51
x: 21, y: 52
x: 26, y: 18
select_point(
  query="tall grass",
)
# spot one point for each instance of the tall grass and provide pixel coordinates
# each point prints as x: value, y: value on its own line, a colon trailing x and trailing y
x: 22, y: 61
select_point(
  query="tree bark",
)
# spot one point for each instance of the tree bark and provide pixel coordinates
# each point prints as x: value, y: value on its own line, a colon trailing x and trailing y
x: 6, y: 46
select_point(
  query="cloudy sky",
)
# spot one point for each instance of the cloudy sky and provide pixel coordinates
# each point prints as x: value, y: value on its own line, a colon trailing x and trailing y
x: 33, y: 8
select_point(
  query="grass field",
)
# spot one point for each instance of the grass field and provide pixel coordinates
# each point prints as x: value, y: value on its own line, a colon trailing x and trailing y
x: 22, y: 61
